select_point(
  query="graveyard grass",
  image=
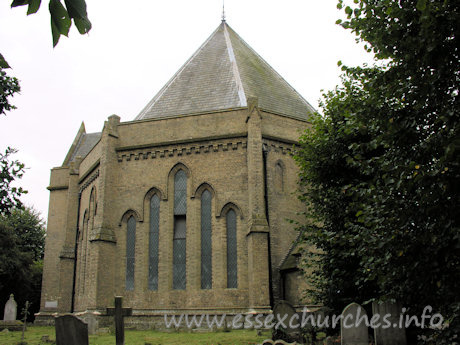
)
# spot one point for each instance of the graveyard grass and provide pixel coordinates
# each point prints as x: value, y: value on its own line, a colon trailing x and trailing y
x: 34, y: 335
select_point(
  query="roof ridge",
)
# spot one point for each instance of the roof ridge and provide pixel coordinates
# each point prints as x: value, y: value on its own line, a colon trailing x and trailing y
x: 272, y: 69
x: 236, y: 72
x: 221, y: 74
x: 166, y: 86
x: 294, y: 244
x: 76, y: 142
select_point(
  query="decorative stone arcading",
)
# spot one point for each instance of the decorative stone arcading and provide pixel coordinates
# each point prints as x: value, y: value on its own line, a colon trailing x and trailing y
x: 278, y: 146
x: 180, y: 150
x: 89, y: 180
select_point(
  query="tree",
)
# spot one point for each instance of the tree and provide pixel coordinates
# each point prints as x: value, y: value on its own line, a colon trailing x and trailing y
x: 22, y: 230
x: 29, y: 228
x: 61, y: 19
x: 8, y: 87
x: 10, y: 171
x: 61, y: 16
x: 381, y: 166
x: 22, y: 238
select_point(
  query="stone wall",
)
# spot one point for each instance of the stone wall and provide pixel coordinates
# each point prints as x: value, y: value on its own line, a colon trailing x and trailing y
x: 133, y: 161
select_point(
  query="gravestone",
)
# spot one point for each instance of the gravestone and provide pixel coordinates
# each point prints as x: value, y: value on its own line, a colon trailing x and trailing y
x: 351, y: 332
x: 393, y: 335
x: 119, y: 312
x: 91, y: 320
x: 283, y: 311
x: 70, y: 330
x: 11, y: 309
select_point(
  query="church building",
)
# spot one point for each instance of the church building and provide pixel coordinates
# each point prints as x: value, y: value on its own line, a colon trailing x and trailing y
x: 185, y: 208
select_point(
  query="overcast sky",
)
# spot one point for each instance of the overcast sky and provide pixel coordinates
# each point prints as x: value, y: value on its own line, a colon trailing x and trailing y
x: 134, y: 48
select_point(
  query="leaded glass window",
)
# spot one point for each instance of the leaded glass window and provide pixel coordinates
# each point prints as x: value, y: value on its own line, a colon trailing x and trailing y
x: 279, y: 177
x: 180, y: 230
x: 153, y: 241
x: 180, y: 193
x: 206, y: 241
x: 130, y: 252
x: 232, y: 265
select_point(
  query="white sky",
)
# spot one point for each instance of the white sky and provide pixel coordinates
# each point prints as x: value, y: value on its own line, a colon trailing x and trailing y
x: 133, y: 49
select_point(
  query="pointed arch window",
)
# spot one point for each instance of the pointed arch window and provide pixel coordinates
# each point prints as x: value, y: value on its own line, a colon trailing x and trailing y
x: 130, y: 252
x: 206, y: 240
x: 82, y: 256
x: 232, y: 264
x: 154, y: 232
x: 279, y: 177
x: 180, y: 230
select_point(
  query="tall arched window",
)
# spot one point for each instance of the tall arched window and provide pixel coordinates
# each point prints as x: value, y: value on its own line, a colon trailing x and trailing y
x: 130, y: 251
x: 84, y: 260
x: 279, y: 177
x: 82, y: 249
x: 179, y: 241
x: 206, y: 240
x: 232, y: 264
x: 92, y: 206
x: 153, y: 241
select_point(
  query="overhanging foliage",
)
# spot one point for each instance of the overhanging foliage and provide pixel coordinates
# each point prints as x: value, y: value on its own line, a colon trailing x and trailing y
x: 381, y: 166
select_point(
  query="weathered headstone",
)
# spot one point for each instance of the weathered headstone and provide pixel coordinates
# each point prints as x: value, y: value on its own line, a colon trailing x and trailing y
x: 352, y: 331
x: 393, y: 335
x: 91, y: 320
x: 283, y: 312
x: 11, y: 309
x: 288, y: 321
x: 119, y: 312
x: 70, y: 330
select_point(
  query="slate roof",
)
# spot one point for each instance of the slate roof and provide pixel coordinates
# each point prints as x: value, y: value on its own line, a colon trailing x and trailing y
x: 86, y: 144
x: 222, y: 74
x: 82, y: 145
x: 290, y: 259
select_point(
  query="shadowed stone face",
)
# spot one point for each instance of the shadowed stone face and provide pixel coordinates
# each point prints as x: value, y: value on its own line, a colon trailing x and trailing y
x: 391, y: 335
x: 354, y: 332
x: 70, y: 330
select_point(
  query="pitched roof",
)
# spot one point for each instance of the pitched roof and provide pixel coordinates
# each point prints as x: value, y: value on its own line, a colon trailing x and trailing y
x: 86, y: 144
x: 221, y: 74
x: 289, y: 261
x: 82, y: 144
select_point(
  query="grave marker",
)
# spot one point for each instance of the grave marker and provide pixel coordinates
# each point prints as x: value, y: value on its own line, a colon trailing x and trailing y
x: 11, y: 309
x: 283, y: 311
x: 119, y: 312
x: 70, y: 330
x: 353, y: 333
x: 392, y: 335
x: 26, y: 313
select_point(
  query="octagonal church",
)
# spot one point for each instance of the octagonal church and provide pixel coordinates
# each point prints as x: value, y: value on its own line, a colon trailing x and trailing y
x: 184, y: 209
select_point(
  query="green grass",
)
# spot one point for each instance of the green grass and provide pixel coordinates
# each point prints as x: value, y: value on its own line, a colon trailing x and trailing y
x: 34, y: 334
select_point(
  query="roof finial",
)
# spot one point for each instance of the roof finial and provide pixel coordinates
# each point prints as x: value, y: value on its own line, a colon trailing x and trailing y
x: 223, y: 10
